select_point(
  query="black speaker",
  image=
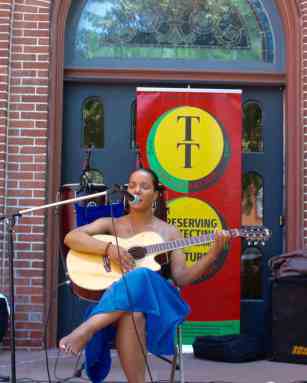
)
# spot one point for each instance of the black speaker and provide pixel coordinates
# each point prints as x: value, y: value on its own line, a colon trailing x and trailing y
x: 3, y: 317
x: 289, y: 320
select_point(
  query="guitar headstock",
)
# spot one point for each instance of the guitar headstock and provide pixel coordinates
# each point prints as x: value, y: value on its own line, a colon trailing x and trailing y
x: 255, y: 235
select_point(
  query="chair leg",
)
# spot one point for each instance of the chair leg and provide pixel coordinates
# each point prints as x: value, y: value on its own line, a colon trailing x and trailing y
x: 177, y: 363
x: 179, y: 340
x: 174, y: 365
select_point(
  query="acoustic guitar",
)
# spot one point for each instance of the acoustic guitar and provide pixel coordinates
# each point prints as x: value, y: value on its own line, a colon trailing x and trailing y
x: 90, y: 274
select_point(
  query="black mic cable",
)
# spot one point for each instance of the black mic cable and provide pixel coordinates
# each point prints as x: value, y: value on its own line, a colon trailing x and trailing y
x: 129, y: 295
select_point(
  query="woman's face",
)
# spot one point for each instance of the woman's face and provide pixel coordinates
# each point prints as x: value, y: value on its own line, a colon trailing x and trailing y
x: 141, y: 184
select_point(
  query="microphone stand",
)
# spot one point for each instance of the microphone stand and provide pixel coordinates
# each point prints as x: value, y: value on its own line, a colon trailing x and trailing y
x: 10, y: 221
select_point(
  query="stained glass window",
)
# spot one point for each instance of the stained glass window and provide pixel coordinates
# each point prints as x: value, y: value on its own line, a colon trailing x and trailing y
x: 227, y: 30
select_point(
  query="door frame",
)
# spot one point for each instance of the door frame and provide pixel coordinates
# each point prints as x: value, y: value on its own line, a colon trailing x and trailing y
x: 293, y: 124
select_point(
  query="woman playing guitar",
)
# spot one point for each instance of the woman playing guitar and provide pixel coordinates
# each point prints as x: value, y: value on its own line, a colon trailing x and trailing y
x: 141, y: 299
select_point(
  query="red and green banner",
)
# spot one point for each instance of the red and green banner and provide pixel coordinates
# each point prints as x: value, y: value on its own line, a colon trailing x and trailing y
x: 192, y: 139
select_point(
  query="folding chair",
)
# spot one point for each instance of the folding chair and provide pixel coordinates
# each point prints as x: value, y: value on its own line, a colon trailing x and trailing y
x: 177, y: 363
x: 177, y: 360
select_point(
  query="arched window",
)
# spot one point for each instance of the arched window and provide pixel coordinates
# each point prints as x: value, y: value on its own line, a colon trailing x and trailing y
x: 252, y: 127
x: 199, y: 34
x: 93, y: 123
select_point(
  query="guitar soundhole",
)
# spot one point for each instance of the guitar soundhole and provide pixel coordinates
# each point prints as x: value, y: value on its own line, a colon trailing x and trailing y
x: 137, y: 252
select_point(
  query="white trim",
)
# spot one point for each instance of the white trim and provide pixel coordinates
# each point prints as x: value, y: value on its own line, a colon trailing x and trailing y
x: 188, y: 90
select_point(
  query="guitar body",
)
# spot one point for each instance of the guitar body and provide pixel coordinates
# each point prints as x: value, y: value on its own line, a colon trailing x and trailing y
x: 90, y: 277
x: 87, y: 271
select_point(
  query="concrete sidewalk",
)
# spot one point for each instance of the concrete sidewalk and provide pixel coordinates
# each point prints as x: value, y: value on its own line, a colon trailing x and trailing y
x: 31, y: 366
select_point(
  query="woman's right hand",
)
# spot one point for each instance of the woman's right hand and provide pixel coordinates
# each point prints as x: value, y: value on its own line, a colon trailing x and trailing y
x: 120, y: 256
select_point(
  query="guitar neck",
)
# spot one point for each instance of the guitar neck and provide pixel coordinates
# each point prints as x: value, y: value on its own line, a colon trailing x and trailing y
x: 186, y: 242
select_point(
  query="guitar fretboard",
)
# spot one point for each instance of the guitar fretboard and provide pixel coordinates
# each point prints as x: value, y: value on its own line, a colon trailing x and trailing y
x: 186, y: 242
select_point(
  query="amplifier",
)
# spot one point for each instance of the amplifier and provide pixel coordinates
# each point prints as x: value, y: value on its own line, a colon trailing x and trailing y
x: 289, y: 320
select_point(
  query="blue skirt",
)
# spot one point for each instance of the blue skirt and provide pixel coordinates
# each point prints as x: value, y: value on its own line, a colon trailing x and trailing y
x: 150, y: 294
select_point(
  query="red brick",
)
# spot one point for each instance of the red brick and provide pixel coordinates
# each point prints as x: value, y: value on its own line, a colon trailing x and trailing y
x: 43, y: 25
x: 32, y: 185
x: 24, y: 73
x: 26, y: 8
x: 28, y: 325
x: 23, y: 90
x: 21, y: 316
x: 38, y: 282
x: 33, y: 167
x: 33, y: 255
x: 41, y: 124
x: 24, y: 57
x: 38, y: 33
x: 35, y: 81
x: 33, y: 132
x: 42, y: 107
x: 30, y: 274
x: 25, y: 40
x: 21, y: 106
x: 29, y: 343
x: 34, y: 115
x: 41, y: 18
x: 21, y: 264
x: 37, y: 299
x: 34, y: 98
x: 22, y: 124
x: 31, y: 149
x: 4, y: 14
x: 39, y: 193
x: 29, y: 291
x: 26, y: 25
x: 22, y: 281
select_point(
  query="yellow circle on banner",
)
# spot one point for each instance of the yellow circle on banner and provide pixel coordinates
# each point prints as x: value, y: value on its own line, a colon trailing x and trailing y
x: 194, y: 218
x: 189, y: 143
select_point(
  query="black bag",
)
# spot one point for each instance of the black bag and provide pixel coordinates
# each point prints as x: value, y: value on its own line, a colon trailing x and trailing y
x: 3, y: 317
x: 293, y: 264
x: 229, y: 348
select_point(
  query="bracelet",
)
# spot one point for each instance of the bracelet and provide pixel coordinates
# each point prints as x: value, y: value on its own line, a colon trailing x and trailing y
x: 107, y: 248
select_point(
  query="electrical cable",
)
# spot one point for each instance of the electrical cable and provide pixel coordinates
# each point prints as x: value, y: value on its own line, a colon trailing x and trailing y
x: 53, y: 296
x: 59, y: 379
x: 129, y: 297
x: 45, y: 331
x: 45, y: 326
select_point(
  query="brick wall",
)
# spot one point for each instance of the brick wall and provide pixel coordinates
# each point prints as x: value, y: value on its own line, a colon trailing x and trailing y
x: 24, y: 78
x: 24, y: 27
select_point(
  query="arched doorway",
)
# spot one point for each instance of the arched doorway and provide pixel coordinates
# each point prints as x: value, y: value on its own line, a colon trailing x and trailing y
x: 289, y: 13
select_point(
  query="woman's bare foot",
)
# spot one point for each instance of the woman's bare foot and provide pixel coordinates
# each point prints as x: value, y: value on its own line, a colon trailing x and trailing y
x: 75, y: 342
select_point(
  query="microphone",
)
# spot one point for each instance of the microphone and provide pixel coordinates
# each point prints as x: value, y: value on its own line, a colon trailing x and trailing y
x: 130, y: 197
